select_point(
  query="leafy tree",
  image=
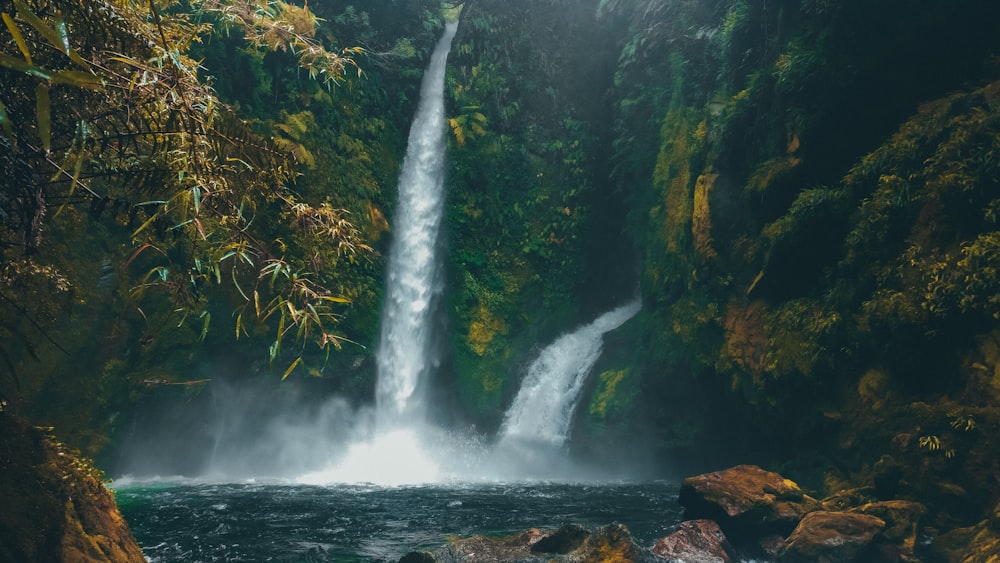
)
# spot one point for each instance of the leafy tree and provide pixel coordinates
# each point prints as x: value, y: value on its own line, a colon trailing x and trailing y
x: 103, y: 108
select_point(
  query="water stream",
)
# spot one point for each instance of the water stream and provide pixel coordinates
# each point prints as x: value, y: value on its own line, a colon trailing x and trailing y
x: 390, y: 480
x: 415, y: 281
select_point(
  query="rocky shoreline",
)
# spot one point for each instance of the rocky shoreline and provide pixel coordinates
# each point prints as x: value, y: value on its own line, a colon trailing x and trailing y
x: 748, y: 513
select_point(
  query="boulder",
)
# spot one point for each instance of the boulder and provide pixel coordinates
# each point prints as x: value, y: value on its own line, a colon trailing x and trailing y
x: 563, y: 540
x: 904, y: 523
x: 833, y: 537
x: 974, y: 544
x: 696, y: 541
x: 417, y: 557
x: 611, y: 543
x: 747, y: 502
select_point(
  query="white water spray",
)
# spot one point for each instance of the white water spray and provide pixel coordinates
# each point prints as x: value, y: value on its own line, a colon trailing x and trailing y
x: 538, y: 422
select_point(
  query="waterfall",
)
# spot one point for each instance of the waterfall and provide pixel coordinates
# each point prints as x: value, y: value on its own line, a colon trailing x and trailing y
x: 397, y: 448
x: 540, y: 417
x: 415, y: 282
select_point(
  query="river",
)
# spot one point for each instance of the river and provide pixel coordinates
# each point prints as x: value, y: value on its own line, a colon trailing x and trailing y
x: 192, y: 522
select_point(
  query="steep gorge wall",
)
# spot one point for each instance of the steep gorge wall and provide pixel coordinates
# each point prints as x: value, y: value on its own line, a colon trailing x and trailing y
x: 814, y: 211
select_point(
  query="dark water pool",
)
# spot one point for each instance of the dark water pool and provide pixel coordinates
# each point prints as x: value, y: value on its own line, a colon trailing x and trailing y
x: 269, y: 522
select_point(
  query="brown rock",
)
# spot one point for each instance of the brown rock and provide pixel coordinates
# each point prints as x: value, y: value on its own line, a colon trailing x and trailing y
x: 833, y: 537
x: 904, y: 521
x: 610, y: 544
x: 747, y: 502
x: 55, y: 506
x: 696, y: 541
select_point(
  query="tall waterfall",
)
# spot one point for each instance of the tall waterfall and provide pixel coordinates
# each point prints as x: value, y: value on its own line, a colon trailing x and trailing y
x: 415, y: 279
x: 541, y: 414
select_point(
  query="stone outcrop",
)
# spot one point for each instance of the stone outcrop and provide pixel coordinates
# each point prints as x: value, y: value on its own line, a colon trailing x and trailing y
x: 904, y: 524
x: 832, y: 537
x: 569, y: 543
x: 696, y: 541
x: 55, y: 506
x: 737, y: 513
x: 746, y: 501
x: 762, y: 514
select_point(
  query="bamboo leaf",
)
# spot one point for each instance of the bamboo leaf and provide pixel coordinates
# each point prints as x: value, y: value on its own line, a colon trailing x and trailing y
x: 58, y: 39
x: 43, y: 110
x: 137, y: 252
x: 76, y: 78
x: 201, y: 230
x: 291, y: 367
x: 148, y: 222
x: 23, y: 66
x: 18, y: 38
x: 334, y: 299
x: 237, y: 284
x: 204, y: 328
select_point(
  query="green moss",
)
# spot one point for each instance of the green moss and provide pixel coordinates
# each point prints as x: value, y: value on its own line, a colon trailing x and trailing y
x: 615, y: 394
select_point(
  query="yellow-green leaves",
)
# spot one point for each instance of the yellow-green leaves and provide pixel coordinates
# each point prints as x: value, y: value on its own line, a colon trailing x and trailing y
x: 57, y: 37
x: 18, y: 38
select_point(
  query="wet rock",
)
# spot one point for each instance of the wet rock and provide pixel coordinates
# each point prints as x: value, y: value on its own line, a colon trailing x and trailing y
x: 611, y: 543
x: 417, y: 557
x: 904, y: 524
x: 848, y: 499
x: 696, y: 541
x: 563, y: 540
x: 974, y: 544
x: 833, y: 537
x: 747, y: 502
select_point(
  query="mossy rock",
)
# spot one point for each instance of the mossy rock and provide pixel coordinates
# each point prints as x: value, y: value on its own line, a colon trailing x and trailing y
x: 55, y: 506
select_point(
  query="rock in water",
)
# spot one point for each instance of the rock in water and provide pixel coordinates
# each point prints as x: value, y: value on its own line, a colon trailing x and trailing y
x: 696, y: 541
x: 563, y: 540
x: 610, y: 544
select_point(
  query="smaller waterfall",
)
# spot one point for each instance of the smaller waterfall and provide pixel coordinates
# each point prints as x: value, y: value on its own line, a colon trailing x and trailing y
x: 538, y: 422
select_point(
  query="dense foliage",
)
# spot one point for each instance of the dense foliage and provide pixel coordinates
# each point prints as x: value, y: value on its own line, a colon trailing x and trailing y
x: 805, y: 193
x: 147, y: 193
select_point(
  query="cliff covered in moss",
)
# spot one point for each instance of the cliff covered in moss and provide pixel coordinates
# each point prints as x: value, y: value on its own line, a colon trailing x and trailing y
x: 73, y: 517
x: 808, y: 193
x: 804, y: 193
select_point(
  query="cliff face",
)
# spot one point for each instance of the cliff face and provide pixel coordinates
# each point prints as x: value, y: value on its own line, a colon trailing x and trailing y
x: 55, y: 506
x: 810, y: 191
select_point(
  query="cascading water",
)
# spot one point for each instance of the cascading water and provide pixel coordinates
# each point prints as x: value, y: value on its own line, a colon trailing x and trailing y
x: 415, y: 280
x: 537, y: 424
x: 414, y: 287
x: 328, y: 442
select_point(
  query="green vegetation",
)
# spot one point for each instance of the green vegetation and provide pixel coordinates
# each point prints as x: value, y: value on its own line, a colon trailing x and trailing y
x: 806, y: 193
x: 178, y: 177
